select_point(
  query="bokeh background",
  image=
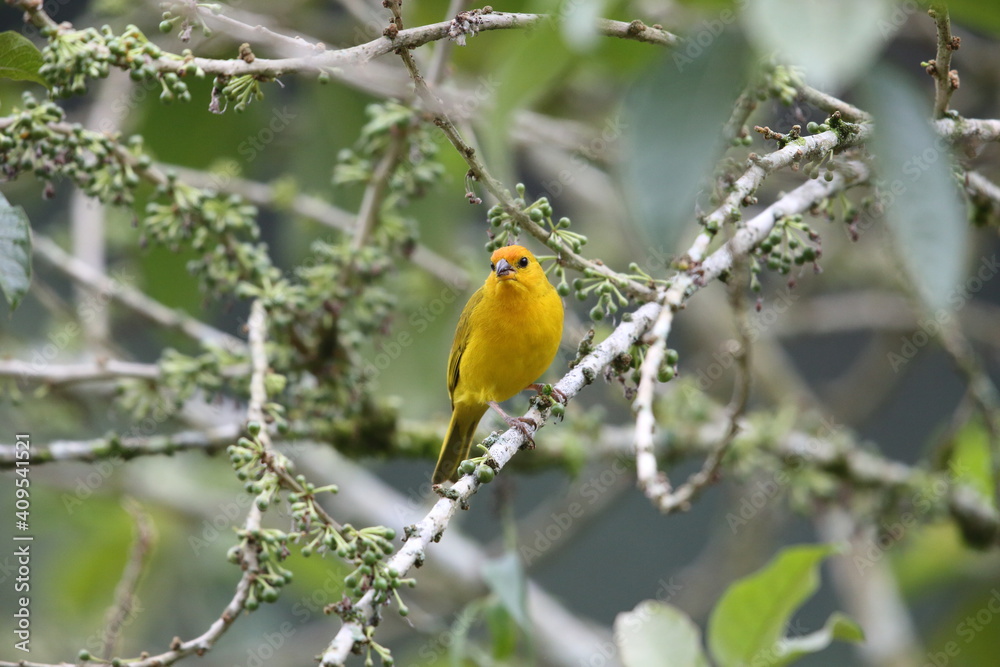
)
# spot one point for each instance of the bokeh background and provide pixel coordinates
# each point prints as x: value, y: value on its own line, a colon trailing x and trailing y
x: 551, y: 117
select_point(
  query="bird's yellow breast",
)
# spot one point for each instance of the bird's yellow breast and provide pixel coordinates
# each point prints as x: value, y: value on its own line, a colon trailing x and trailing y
x: 514, y: 334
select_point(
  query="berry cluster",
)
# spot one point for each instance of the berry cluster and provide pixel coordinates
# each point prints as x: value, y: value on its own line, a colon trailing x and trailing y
x: 791, y: 242
x: 71, y: 57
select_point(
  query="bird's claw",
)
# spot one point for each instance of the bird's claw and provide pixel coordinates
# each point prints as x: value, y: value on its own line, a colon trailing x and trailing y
x: 521, y: 424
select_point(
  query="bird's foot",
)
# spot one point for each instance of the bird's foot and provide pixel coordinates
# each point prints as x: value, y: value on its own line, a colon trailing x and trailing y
x: 520, y: 423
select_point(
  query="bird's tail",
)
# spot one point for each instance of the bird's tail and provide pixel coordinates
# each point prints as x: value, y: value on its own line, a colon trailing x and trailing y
x: 457, y: 442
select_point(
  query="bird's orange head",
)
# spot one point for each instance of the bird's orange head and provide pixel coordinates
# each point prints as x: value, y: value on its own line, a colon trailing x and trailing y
x: 515, y: 263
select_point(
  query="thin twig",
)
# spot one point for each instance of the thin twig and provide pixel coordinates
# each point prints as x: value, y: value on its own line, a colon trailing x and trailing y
x: 830, y: 104
x: 681, y: 498
x: 982, y: 391
x: 101, y: 370
x: 131, y: 297
x: 478, y: 171
x: 246, y: 26
x: 362, y: 53
x: 985, y: 197
x: 745, y: 105
x: 276, y: 463
x: 315, y: 208
x: 210, y: 440
x: 125, y: 593
x: 378, y: 186
x: 945, y: 79
x: 760, y: 167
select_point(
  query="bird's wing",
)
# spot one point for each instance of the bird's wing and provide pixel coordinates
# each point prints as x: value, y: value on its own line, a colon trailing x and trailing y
x: 462, y: 332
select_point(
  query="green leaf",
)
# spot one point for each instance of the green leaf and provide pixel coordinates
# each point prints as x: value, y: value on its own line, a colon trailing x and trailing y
x: 837, y: 627
x: 19, y: 58
x: 983, y: 16
x: 922, y: 205
x: 971, y: 461
x: 15, y: 252
x: 673, y: 116
x: 503, y: 631
x: 808, y: 34
x: 752, y: 615
x: 505, y: 577
x: 932, y: 558
x: 656, y: 633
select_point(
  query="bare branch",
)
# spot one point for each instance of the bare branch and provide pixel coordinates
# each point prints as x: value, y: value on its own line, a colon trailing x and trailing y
x: 478, y: 171
x: 315, y: 208
x: 131, y: 297
x: 209, y: 440
x: 101, y: 370
x: 423, y: 533
x: 760, y: 167
x: 142, y: 546
x: 477, y: 21
x: 376, y: 190
x: 830, y: 104
x: 945, y: 79
x: 654, y: 483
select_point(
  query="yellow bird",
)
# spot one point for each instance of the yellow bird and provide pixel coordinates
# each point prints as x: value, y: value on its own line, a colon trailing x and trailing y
x: 507, y: 336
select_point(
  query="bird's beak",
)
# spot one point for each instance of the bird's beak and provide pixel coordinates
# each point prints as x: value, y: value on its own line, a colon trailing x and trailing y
x: 504, y: 270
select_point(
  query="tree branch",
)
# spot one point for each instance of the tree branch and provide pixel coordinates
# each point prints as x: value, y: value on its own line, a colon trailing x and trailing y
x: 209, y: 441
x: 321, y: 211
x: 101, y: 370
x: 466, y: 23
x: 423, y: 533
x: 759, y: 168
x: 654, y: 483
x: 131, y: 297
x: 945, y: 79
x: 142, y: 546
x: 478, y: 172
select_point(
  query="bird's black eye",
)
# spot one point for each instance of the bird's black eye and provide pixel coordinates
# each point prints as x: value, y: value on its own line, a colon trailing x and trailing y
x: 523, y: 263
x: 493, y: 267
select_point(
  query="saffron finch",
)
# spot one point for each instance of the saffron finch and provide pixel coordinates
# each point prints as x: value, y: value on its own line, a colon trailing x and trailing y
x: 507, y: 336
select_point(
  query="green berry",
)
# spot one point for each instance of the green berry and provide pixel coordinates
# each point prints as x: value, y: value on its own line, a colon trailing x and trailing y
x: 484, y: 474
